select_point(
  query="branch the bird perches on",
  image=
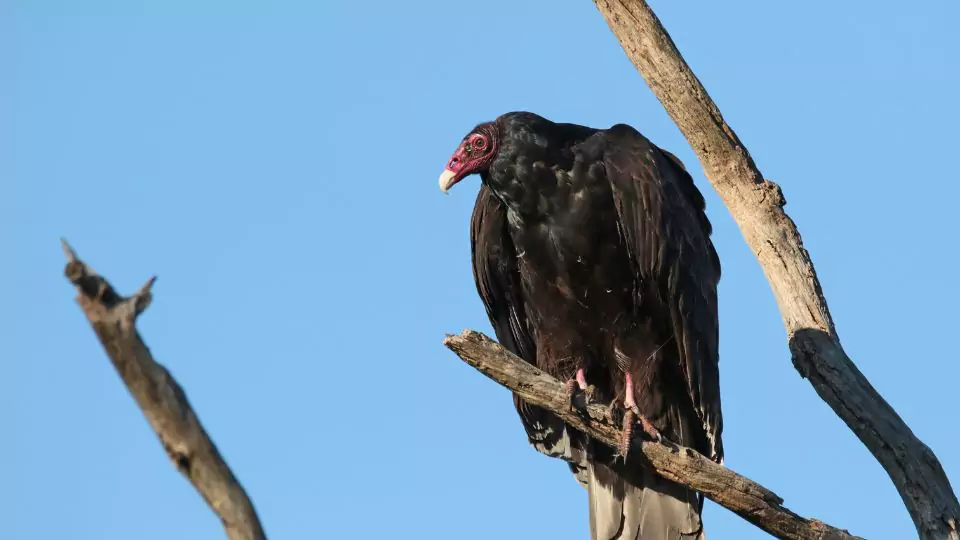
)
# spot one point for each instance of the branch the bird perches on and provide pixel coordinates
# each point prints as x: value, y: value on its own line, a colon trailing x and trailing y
x: 160, y: 397
x: 756, y: 204
x: 739, y: 494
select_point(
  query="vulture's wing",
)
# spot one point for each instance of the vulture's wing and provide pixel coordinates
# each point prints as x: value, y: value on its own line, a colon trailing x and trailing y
x: 665, y: 229
x: 497, y: 277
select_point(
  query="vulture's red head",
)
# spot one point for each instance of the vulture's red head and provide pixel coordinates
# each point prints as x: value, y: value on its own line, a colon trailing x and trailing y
x: 474, y: 155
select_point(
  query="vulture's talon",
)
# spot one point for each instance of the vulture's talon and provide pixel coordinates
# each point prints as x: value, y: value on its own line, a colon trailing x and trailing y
x: 570, y: 390
x: 578, y: 382
x: 589, y: 392
x: 627, y: 432
x: 649, y: 429
x: 631, y: 417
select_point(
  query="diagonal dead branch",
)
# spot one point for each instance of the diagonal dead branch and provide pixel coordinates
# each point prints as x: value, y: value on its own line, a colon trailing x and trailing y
x: 739, y: 494
x: 161, y: 398
x: 756, y: 205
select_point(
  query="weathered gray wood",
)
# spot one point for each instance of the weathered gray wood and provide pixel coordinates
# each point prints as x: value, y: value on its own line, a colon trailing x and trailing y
x: 757, y: 206
x: 750, y: 500
x: 161, y: 399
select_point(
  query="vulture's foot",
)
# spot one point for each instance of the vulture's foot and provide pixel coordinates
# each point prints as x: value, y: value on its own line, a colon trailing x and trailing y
x: 632, y: 416
x: 578, y: 382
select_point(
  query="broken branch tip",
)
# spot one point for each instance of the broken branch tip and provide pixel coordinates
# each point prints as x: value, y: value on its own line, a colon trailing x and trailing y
x: 67, y: 250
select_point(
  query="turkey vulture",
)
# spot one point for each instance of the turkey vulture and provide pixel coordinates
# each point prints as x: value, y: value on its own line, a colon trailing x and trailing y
x: 592, y: 254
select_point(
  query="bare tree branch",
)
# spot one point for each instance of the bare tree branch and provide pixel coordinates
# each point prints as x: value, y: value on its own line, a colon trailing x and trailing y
x: 750, y: 500
x: 757, y: 206
x: 160, y: 398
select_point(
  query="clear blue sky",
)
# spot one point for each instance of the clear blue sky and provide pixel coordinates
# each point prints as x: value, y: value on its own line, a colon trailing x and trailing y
x: 276, y: 166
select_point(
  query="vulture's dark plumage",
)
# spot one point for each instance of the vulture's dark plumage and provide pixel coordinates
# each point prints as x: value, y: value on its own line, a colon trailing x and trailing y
x: 592, y: 254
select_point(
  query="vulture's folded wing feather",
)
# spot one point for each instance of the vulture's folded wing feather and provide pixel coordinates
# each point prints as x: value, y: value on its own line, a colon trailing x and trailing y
x: 662, y: 219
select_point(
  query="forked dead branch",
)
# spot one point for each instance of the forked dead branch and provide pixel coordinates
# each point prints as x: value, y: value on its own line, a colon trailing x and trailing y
x: 161, y: 398
x: 757, y: 206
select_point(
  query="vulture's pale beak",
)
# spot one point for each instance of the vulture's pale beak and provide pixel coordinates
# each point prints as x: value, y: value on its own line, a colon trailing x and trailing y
x: 447, y: 179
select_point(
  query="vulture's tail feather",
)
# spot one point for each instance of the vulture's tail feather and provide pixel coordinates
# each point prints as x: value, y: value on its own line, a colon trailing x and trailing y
x: 647, y: 508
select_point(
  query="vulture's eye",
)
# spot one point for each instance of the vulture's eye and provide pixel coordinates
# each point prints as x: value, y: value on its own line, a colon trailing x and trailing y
x: 479, y: 143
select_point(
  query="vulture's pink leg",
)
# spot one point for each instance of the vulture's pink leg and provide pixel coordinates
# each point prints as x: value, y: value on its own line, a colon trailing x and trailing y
x: 632, y: 415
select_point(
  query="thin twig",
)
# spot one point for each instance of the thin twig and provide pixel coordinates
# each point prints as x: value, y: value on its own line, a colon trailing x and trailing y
x: 161, y: 398
x: 739, y: 494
